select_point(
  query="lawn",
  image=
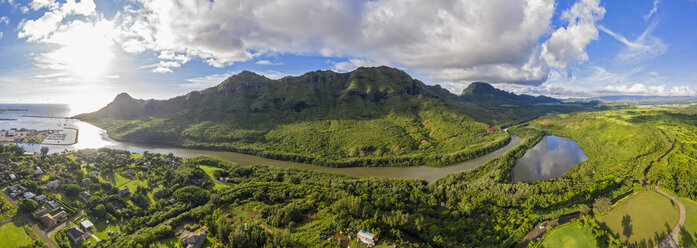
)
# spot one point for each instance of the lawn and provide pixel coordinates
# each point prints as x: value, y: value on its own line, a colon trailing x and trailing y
x: 688, y: 235
x: 116, y: 179
x: 636, y: 220
x: 14, y: 235
x: 101, y: 228
x: 7, y: 210
x: 568, y: 237
x: 209, y: 170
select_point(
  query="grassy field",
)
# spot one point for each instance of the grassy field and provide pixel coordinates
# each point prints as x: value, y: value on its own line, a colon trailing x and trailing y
x: 101, y: 228
x: 636, y: 222
x: 688, y: 235
x: 209, y: 170
x: 569, y: 237
x: 14, y: 235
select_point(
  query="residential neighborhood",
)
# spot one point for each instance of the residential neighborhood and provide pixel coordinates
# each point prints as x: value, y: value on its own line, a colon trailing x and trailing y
x: 80, y: 199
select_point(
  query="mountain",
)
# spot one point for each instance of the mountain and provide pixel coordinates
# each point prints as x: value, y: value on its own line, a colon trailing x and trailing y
x: 377, y: 116
x: 479, y: 91
x: 485, y: 103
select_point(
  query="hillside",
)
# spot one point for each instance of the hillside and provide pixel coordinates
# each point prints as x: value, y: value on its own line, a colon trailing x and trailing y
x: 368, y: 117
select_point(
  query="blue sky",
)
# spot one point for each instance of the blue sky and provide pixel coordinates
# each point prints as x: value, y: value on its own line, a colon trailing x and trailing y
x: 85, y: 52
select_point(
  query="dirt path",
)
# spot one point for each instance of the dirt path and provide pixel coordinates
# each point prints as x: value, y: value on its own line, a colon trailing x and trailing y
x: 673, y: 237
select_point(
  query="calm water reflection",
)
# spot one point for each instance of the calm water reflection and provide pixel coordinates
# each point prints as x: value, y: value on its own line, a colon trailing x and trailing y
x: 550, y: 158
x: 93, y: 137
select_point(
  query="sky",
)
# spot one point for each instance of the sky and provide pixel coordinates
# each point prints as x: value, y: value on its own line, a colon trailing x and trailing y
x: 86, y: 52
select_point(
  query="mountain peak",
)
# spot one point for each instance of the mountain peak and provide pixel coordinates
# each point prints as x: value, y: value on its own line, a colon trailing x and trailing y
x: 247, y: 77
x: 123, y: 97
x: 479, y: 88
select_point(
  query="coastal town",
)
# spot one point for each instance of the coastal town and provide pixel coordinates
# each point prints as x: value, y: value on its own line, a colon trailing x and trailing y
x: 65, y: 136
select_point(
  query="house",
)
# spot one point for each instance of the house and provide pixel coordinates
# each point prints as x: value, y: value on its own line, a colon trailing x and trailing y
x: 61, y: 216
x: 86, y: 181
x: 38, y: 171
x: 147, y: 164
x: 52, y: 185
x: 86, y: 224
x: 12, y: 177
x: 367, y: 238
x: 193, y: 239
x: 40, y: 212
x: 75, y: 234
x: 198, y: 182
x: 40, y: 198
x: 124, y: 192
x: 28, y: 195
x: 53, y: 206
x: 162, y: 193
x: 130, y: 172
x: 95, y: 173
x: 48, y: 220
x: 84, y: 195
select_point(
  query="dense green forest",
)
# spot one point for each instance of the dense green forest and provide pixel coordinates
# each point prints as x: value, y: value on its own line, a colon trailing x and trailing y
x: 369, y: 117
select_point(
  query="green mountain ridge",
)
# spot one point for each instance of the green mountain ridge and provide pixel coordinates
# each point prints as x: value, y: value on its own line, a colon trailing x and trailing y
x: 376, y: 116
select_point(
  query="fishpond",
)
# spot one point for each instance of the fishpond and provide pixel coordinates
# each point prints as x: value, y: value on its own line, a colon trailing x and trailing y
x: 550, y: 158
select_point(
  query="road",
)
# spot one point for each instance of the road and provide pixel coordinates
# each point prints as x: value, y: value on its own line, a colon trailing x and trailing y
x: 673, y: 238
x: 27, y: 218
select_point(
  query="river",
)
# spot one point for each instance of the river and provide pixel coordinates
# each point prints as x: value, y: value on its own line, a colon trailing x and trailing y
x: 93, y: 137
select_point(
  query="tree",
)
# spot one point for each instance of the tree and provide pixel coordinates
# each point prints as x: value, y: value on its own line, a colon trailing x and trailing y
x: 191, y: 195
x: 601, y: 205
x: 72, y: 190
x: 44, y: 150
x: 28, y: 205
x: 584, y: 209
x: 99, y: 211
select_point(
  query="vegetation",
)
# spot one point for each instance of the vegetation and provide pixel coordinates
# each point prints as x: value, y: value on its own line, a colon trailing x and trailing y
x: 19, y: 234
x: 7, y: 210
x: 635, y: 222
x: 688, y: 235
x: 28, y: 205
x: 570, y: 236
x: 368, y: 117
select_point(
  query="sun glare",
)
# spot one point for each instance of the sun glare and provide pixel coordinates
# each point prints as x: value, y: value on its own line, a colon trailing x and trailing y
x: 86, y: 50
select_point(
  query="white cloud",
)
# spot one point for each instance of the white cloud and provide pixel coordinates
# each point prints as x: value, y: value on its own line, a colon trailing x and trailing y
x: 653, y: 10
x: 263, y: 62
x: 458, y: 41
x: 206, y: 81
x: 643, y: 47
x: 1, y: 34
x: 352, y: 64
x: 567, y: 45
x: 653, y: 74
x: 641, y: 89
x: 39, y: 4
x: 5, y: 20
x: 160, y: 69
